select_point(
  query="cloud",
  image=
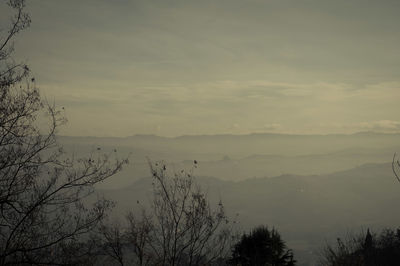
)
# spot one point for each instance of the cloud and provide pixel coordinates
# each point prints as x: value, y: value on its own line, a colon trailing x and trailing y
x: 381, y: 126
x: 230, y: 106
x: 269, y: 127
x: 273, y: 126
x: 202, y: 66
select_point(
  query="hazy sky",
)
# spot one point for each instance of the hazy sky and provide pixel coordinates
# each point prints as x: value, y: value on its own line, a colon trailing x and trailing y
x: 126, y: 67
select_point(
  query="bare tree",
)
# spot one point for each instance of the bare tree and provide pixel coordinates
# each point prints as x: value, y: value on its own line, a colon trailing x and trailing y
x: 396, y: 167
x: 185, y: 229
x: 112, y: 242
x: 138, y: 237
x: 179, y: 228
x: 43, y: 217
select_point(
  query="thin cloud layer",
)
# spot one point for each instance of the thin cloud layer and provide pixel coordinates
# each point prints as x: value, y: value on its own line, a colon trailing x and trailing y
x: 207, y: 67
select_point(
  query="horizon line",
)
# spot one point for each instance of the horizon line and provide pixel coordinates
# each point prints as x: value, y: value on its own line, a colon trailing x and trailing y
x: 234, y: 134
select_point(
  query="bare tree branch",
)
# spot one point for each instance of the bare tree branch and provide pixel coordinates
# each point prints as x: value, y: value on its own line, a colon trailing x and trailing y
x: 43, y: 214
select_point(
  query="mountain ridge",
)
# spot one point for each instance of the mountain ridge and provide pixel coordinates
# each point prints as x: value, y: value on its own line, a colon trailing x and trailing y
x: 150, y: 136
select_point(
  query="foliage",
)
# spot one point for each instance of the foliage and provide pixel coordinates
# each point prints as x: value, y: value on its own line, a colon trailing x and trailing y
x: 261, y: 247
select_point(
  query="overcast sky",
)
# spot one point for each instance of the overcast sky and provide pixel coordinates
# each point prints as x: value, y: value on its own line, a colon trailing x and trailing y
x: 169, y: 68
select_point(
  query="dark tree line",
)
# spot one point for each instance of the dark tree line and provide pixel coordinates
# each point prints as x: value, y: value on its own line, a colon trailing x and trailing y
x: 364, y: 250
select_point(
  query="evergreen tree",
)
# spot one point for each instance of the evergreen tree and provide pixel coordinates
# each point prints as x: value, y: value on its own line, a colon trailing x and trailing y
x: 262, y: 247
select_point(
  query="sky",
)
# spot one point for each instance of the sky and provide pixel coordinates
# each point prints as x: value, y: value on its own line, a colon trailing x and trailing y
x: 170, y: 68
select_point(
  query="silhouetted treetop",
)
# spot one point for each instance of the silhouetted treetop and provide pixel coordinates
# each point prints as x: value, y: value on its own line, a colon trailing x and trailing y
x: 262, y: 247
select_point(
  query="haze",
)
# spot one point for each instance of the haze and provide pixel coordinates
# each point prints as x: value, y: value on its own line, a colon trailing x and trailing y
x: 174, y: 68
x: 290, y: 108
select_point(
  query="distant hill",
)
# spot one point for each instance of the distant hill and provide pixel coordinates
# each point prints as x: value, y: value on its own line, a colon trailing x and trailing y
x: 307, y: 209
x: 245, y: 145
x: 312, y: 187
x: 239, y: 157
